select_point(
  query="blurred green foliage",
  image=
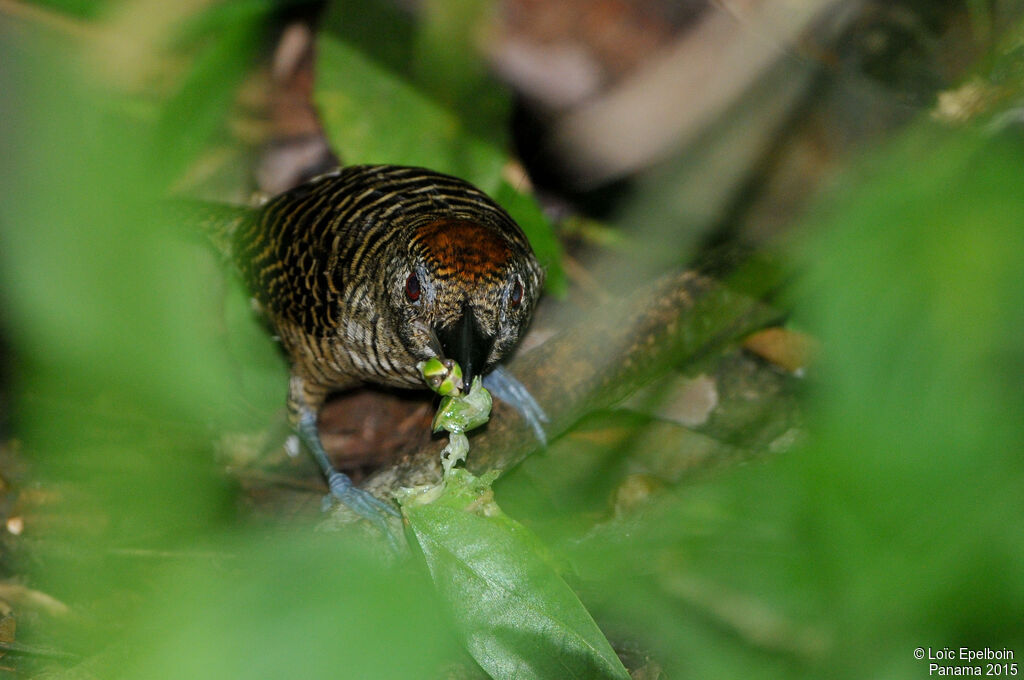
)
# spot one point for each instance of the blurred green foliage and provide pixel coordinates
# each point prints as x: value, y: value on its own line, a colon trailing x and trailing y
x: 286, y: 605
x: 222, y: 42
x: 393, y: 90
x: 895, y: 526
x: 88, y: 9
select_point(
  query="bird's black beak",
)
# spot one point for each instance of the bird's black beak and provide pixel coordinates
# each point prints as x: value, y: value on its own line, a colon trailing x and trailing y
x: 467, y: 344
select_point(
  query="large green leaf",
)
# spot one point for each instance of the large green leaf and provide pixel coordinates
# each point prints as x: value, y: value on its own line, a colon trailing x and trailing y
x: 518, y: 617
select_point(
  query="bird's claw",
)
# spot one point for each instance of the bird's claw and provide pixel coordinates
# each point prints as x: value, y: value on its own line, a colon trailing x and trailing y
x: 506, y: 387
x: 361, y: 502
x: 364, y: 504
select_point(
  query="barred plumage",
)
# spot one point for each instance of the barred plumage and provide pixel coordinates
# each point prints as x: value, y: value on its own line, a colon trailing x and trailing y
x: 326, y: 258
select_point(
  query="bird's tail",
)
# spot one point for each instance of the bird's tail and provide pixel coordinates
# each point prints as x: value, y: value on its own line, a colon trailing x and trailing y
x: 218, y: 222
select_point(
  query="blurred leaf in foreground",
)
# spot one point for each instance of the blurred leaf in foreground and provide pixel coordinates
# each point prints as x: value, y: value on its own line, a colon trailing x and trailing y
x: 276, y: 605
x: 123, y: 376
x: 913, y: 501
x: 117, y: 370
x: 897, y: 525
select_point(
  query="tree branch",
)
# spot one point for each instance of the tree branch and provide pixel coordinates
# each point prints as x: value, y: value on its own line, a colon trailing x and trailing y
x: 598, y: 362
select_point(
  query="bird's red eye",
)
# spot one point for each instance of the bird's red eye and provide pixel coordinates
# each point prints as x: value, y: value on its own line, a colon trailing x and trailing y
x: 517, y: 294
x: 412, y: 288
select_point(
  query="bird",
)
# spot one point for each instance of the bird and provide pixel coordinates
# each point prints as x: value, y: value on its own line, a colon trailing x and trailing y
x: 366, y: 271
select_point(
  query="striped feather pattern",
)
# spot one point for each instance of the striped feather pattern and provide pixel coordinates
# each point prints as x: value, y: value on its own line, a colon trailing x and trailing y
x: 328, y: 262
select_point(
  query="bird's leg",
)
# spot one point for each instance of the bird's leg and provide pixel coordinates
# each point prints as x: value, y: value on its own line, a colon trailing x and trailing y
x: 304, y: 401
x: 504, y: 386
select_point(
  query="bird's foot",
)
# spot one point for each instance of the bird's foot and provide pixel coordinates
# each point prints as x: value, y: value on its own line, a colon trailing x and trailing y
x: 504, y: 386
x: 361, y: 502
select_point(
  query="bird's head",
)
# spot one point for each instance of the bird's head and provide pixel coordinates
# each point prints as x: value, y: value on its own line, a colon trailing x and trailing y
x: 464, y: 290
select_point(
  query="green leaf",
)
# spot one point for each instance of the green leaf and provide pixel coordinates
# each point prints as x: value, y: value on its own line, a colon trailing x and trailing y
x: 524, y: 210
x: 198, y: 110
x: 373, y: 116
x: 375, y: 111
x: 518, y: 617
x: 446, y: 62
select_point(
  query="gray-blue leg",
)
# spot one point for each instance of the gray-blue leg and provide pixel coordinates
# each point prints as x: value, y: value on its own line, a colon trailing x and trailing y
x: 361, y: 502
x: 504, y: 386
